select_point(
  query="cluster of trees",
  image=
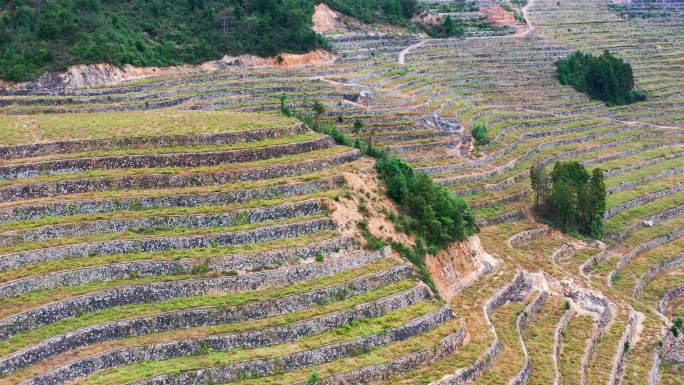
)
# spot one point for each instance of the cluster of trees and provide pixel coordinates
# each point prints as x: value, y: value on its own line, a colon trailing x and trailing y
x: 605, y: 77
x: 449, y: 27
x: 376, y: 11
x: 50, y: 35
x: 434, y: 213
x: 571, y: 198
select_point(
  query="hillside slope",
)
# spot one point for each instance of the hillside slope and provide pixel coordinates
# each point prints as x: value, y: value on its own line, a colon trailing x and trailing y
x: 38, y: 35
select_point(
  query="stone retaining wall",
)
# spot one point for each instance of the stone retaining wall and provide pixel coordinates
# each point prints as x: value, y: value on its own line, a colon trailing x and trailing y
x: 196, y: 317
x: 524, y: 237
x: 504, y: 218
x: 516, y: 290
x: 557, y: 341
x: 675, y: 353
x: 638, y: 182
x: 515, y: 197
x: 668, y: 297
x: 654, y: 218
x: 250, y: 261
x: 621, y: 356
x: 156, y: 141
x: 646, y: 163
x: 160, y: 181
x: 187, y: 159
x: 562, y: 252
x: 538, y: 148
x: 165, y: 291
x: 648, y: 246
x: 232, y: 341
x: 587, y: 265
x: 82, y: 250
x: 193, y: 221
x: 596, y: 304
x: 420, y: 359
x: 525, y: 174
x: 653, y: 271
x: 109, y: 205
x: 474, y: 371
x: 643, y: 200
x: 299, y: 360
x: 524, y: 319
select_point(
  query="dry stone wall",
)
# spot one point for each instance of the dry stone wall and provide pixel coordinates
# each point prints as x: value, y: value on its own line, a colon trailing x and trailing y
x: 677, y: 211
x: 156, y: 141
x: 294, y: 361
x: 225, y: 342
x: 203, y: 316
x: 190, y: 159
x: 623, y: 349
x: 165, y: 291
x: 160, y: 181
x: 194, y: 221
x: 250, y: 261
x: 109, y: 205
x: 404, y: 364
x: 643, y: 200
x: 653, y: 271
x: 668, y: 297
x: 82, y: 250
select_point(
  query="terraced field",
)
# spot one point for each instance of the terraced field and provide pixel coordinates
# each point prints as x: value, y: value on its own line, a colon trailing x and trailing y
x: 179, y: 230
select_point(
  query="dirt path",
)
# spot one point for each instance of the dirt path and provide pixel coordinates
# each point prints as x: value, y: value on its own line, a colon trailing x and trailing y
x: 401, y: 58
x: 402, y: 54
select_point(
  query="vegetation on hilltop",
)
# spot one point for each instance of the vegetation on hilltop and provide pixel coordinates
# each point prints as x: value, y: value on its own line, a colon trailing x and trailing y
x: 374, y: 11
x: 50, y: 35
x: 570, y: 198
x: 605, y: 77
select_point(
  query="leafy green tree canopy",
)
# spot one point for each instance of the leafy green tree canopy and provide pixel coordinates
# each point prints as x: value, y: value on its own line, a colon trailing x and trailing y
x: 605, y: 77
x: 37, y: 36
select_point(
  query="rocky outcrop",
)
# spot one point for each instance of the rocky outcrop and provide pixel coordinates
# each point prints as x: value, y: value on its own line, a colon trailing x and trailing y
x: 459, y: 265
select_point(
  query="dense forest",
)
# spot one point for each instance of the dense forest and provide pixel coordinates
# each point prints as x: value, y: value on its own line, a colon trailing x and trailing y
x: 50, y: 35
x: 605, y: 77
x: 570, y: 198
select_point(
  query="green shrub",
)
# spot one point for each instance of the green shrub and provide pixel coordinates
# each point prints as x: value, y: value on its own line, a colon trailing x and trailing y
x: 314, y: 378
x: 480, y: 134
